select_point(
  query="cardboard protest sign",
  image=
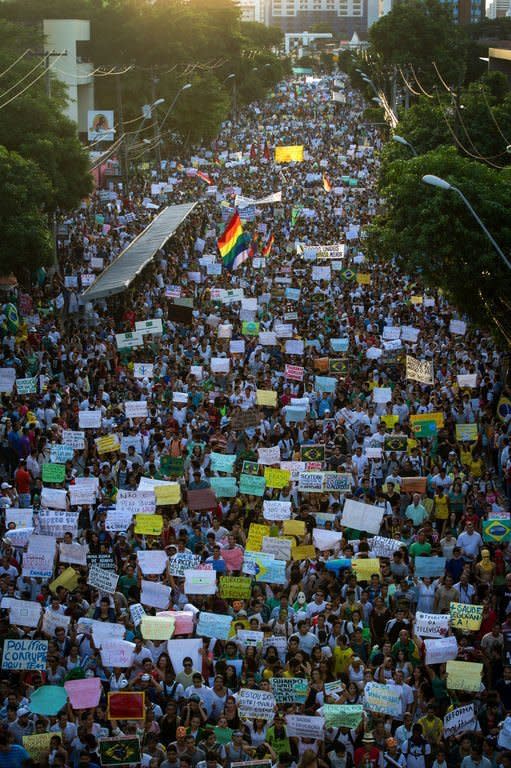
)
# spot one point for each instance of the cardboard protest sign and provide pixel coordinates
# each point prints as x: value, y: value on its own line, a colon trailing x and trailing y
x: 291, y: 690
x: 305, y: 726
x: 254, y: 703
x: 464, y: 676
x: 126, y: 705
x: 431, y: 624
x: 24, y: 654
x: 362, y: 517
x: 460, y: 720
x: 439, y: 650
x: 466, y: 616
x: 342, y: 715
x: 84, y: 694
x: 382, y: 699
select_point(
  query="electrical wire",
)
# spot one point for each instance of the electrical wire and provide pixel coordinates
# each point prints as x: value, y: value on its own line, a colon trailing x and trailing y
x: 497, y: 126
x: 40, y: 63
x: 428, y: 95
x: 98, y: 72
x: 44, y: 72
x: 106, y: 155
x: 407, y: 84
x: 463, y: 148
x: 447, y: 88
x: 15, y: 62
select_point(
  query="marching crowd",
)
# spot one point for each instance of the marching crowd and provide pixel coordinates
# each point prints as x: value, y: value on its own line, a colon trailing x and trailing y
x: 255, y: 515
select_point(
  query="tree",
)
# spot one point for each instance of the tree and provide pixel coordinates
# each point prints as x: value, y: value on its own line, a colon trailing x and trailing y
x: 26, y: 240
x: 430, y: 232
x: 200, y: 110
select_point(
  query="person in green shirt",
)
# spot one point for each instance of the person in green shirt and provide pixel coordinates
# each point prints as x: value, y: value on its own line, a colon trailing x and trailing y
x: 127, y: 581
x: 421, y: 547
x: 277, y: 736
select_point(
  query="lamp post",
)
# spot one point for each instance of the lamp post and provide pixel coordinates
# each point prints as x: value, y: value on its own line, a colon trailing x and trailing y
x: 436, y: 181
x: 405, y: 143
x: 183, y: 88
x: 232, y: 77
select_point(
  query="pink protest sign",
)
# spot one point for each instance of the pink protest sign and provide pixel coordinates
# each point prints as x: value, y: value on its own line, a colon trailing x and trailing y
x: 84, y: 694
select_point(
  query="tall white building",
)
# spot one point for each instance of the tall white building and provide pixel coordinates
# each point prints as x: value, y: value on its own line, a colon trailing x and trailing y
x: 66, y: 35
x: 252, y: 10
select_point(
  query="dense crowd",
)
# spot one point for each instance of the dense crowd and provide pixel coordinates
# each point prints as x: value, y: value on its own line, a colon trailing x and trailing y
x: 255, y: 516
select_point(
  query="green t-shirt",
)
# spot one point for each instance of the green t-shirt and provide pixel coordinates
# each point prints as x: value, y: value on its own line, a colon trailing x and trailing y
x: 417, y: 549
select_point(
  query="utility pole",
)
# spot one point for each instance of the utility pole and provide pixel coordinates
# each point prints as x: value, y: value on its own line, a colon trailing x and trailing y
x: 154, y: 115
x: 123, y: 149
x: 46, y: 55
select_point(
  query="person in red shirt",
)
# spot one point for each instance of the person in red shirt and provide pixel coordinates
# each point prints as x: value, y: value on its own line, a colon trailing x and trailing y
x: 22, y: 483
x: 368, y: 755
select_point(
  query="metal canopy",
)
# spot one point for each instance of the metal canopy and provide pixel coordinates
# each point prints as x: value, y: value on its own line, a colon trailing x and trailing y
x: 118, y: 276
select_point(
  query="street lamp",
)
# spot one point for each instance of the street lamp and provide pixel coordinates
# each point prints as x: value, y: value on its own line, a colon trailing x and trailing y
x: 405, y: 143
x: 232, y: 77
x: 183, y: 88
x: 436, y: 181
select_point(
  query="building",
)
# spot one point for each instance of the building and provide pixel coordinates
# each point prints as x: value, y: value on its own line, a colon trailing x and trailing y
x: 499, y: 9
x: 70, y: 35
x: 253, y: 10
x: 341, y: 17
x: 499, y: 57
x: 466, y: 11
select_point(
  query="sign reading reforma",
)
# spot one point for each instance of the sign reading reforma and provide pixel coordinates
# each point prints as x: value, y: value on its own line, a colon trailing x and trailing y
x: 25, y: 654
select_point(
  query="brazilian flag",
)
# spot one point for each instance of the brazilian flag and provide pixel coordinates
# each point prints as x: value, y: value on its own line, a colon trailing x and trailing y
x: 120, y: 751
x: 347, y: 274
x: 12, y: 317
x: 504, y: 408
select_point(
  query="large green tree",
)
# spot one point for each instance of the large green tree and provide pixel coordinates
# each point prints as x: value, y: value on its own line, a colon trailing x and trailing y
x: 431, y: 232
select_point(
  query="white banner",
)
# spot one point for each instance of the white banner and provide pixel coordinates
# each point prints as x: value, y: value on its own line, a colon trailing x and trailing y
x: 419, y: 370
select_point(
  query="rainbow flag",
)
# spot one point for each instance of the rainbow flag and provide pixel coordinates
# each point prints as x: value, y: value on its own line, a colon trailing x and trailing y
x: 204, y: 177
x: 234, y: 244
x: 326, y: 183
x: 268, y: 245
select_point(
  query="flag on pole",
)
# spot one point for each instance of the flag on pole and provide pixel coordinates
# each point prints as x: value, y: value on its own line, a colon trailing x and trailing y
x: 204, y: 177
x: 234, y: 244
x: 295, y: 214
x: 268, y: 245
x: 326, y: 183
x: 266, y: 151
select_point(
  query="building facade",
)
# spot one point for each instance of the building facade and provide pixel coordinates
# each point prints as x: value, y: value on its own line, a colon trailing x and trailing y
x: 341, y: 17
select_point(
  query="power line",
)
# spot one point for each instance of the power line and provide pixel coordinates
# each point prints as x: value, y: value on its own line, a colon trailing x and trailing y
x: 45, y: 72
x: 18, y: 82
x: 15, y: 62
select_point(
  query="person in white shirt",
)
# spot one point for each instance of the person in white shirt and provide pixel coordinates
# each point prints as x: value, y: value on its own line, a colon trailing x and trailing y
x: 470, y: 542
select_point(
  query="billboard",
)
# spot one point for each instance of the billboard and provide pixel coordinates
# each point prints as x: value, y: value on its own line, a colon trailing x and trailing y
x: 100, y: 125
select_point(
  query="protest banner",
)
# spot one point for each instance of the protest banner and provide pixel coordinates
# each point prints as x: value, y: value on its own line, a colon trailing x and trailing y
x: 57, y: 522
x: 250, y: 637
x: 89, y: 419
x: 149, y: 525
x: 382, y: 699
x: 155, y: 594
x: 224, y: 487
x: 380, y: 546
x: 429, y: 566
x: 84, y: 694
x: 82, y: 494
x: 47, y: 700
x: 466, y: 616
x: 293, y: 528
x: 337, y: 482
x: 157, y: 627
x: 269, y: 456
x: 254, y: 703
x: 24, y: 613
x: 439, y: 650
x: 431, y: 624
x: 38, y: 565
x: 105, y: 581
x: 125, y: 705
x: 305, y: 726
x: 310, y: 482
x: 38, y: 744
x: 117, y: 653
x: 166, y: 495
x: 152, y: 561
x: 181, y: 562
x: 103, y: 560
x: 200, y: 582
x: 303, y: 552
x: 22, y: 518
x: 73, y: 439
x: 235, y: 587
x: 290, y: 690
x: 419, y: 370
x: 464, y: 676
x: 222, y: 462
x: 54, y: 473
x: 107, y: 444
x: 289, y: 154
x: 252, y: 485
x: 256, y: 533
x: 24, y: 654
x: 362, y: 517
x: 59, y: 454
x: 136, y: 502
x: 343, y: 715
x: 325, y: 539
x: 460, y: 720
x: 73, y: 553
x: 214, y: 625
x: 276, y: 510
x: 276, y: 478
x: 466, y: 433
x: 278, y: 547
x: 497, y: 529
x: 121, y: 750
x: 364, y: 567
x: 202, y: 499
x: 68, y: 579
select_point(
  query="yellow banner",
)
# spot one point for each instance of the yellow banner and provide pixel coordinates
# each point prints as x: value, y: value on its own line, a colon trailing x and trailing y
x: 437, y: 417
x: 365, y: 567
x: 416, y: 299
x: 157, y: 627
x: 256, y: 534
x: 363, y: 278
x: 389, y: 419
x: 289, y: 154
x: 466, y: 616
x: 236, y: 587
x: 67, y: 579
x: 107, y: 444
x: 167, y: 494
x: 39, y: 743
x: 464, y: 676
x: 304, y: 552
x: 466, y: 433
x: 294, y: 527
x: 149, y: 525
x: 276, y: 478
x: 266, y: 397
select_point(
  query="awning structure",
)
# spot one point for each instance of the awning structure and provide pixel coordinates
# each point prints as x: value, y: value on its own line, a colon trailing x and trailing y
x: 119, y: 275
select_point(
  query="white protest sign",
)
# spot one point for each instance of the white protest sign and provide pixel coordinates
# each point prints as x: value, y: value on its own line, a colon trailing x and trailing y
x: 73, y: 553
x: 153, y: 561
x: 220, y: 364
x: 52, y: 620
x: 135, y: 409
x: 380, y: 546
x: 279, y: 548
x: 362, y: 517
x: 458, y: 327
x: 431, y: 624
x: 460, y: 720
x: 256, y: 704
x: 53, y: 498
x: 155, y: 595
x: 305, y: 726
x: 324, y: 539
x: 117, y: 653
x: 143, y: 370
x: 105, y: 581
x: 89, y: 419
x: 117, y: 520
x: 181, y: 562
x: 467, y: 380
x: 269, y: 456
x: 276, y: 510
x: 24, y: 613
x: 137, y: 502
x: 199, y: 582
x: 7, y: 379
x: 22, y: 518
x: 441, y: 649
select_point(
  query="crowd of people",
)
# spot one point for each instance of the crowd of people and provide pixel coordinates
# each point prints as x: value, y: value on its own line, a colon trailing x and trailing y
x: 256, y: 515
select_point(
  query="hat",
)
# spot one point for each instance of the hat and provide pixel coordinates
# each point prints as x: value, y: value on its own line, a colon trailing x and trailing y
x: 237, y: 733
x: 5, y: 486
x: 368, y: 738
x: 194, y: 697
x: 22, y: 711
